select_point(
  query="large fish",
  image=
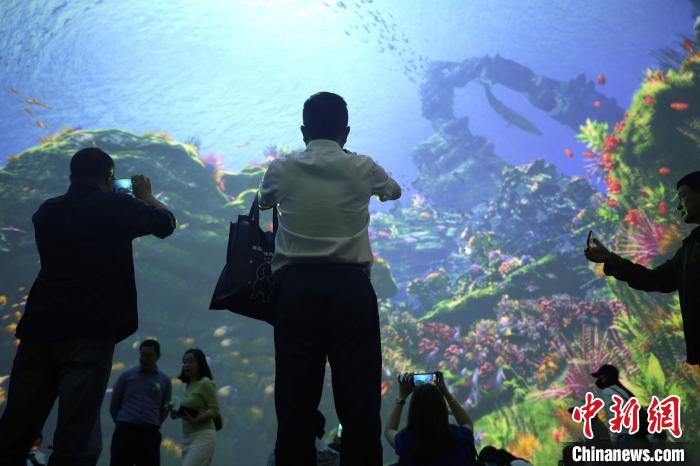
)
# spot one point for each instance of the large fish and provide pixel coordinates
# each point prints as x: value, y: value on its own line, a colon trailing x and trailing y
x: 507, y: 113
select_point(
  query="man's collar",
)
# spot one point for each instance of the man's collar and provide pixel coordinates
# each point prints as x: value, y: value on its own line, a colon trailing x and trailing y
x: 323, y: 144
x: 141, y: 369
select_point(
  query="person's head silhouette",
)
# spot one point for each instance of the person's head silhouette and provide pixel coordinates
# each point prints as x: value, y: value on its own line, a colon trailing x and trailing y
x: 94, y: 167
x: 606, y: 375
x: 689, y: 197
x: 325, y: 117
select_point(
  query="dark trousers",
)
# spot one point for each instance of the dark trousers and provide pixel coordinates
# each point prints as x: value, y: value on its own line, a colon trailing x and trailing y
x: 327, y: 311
x: 74, y: 371
x: 135, y: 444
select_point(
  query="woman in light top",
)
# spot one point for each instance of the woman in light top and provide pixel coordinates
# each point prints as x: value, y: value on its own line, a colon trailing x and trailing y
x: 198, y: 410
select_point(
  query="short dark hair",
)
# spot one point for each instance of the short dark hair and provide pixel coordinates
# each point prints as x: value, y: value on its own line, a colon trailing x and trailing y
x: 202, y: 364
x: 325, y: 115
x: 90, y: 162
x: 152, y: 343
x: 692, y: 180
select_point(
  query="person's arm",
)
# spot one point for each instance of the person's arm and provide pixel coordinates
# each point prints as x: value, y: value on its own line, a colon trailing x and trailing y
x: 458, y: 412
x: 143, y: 214
x: 392, y: 425
x: 167, y: 393
x: 117, y: 397
x: 208, y: 392
x: 382, y: 185
x: 267, y: 192
x: 661, y: 278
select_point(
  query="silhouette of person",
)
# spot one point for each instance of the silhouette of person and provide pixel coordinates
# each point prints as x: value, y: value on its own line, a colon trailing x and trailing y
x: 81, y: 304
x: 681, y: 273
x: 326, y: 306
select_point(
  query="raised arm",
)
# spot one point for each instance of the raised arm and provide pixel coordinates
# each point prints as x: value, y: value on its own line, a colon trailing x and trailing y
x: 267, y: 192
x: 458, y: 412
x: 661, y: 278
x: 392, y: 425
x: 382, y: 185
x: 144, y: 214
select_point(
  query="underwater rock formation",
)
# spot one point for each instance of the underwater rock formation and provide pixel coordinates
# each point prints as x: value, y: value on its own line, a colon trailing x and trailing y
x: 458, y: 170
x: 568, y: 102
x: 521, y: 243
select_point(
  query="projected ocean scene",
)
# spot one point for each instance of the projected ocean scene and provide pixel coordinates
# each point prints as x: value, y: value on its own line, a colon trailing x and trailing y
x: 513, y: 127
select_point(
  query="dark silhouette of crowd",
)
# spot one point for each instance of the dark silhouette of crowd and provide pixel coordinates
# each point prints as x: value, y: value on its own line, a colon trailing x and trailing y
x: 83, y: 303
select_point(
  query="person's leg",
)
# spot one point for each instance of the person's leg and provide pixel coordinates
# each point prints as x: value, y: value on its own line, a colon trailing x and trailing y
x: 31, y: 395
x: 85, y: 365
x: 122, y: 446
x: 356, y: 364
x: 201, y: 450
x: 299, y: 365
x: 147, y: 451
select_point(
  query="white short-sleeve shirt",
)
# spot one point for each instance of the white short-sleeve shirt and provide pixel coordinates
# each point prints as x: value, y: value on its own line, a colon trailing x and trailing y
x: 322, y: 196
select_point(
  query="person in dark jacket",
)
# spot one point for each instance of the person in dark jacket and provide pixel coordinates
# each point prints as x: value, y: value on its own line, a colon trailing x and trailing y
x: 81, y: 304
x: 681, y: 273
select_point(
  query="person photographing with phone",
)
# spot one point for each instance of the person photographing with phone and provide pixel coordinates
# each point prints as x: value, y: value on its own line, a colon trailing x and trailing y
x: 429, y: 438
x: 81, y: 304
x: 680, y: 273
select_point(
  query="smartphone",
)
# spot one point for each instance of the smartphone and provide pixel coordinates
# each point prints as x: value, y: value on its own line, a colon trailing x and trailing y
x: 422, y: 379
x: 123, y: 185
x: 340, y: 430
x: 589, y: 240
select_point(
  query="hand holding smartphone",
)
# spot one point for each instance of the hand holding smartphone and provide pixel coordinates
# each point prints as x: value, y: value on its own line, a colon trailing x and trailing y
x: 425, y: 378
x: 123, y: 185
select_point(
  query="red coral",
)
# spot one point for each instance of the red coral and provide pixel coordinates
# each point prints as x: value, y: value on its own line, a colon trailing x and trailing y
x: 633, y: 217
x: 614, y: 186
x: 612, y: 142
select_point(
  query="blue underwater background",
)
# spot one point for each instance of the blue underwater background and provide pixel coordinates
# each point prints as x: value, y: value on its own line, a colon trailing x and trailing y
x: 476, y: 91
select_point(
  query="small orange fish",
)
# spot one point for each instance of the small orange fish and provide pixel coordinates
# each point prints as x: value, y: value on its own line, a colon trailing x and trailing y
x: 568, y: 152
x: 688, y: 44
x: 612, y: 202
x: 588, y: 154
x: 14, y: 90
x: 680, y: 106
x: 649, y: 100
x: 601, y: 79
x: 596, y: 104
x: 664, y: 171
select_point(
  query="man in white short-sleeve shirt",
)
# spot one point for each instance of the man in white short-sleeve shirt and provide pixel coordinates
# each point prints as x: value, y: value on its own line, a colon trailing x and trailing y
x: 326, y: 306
